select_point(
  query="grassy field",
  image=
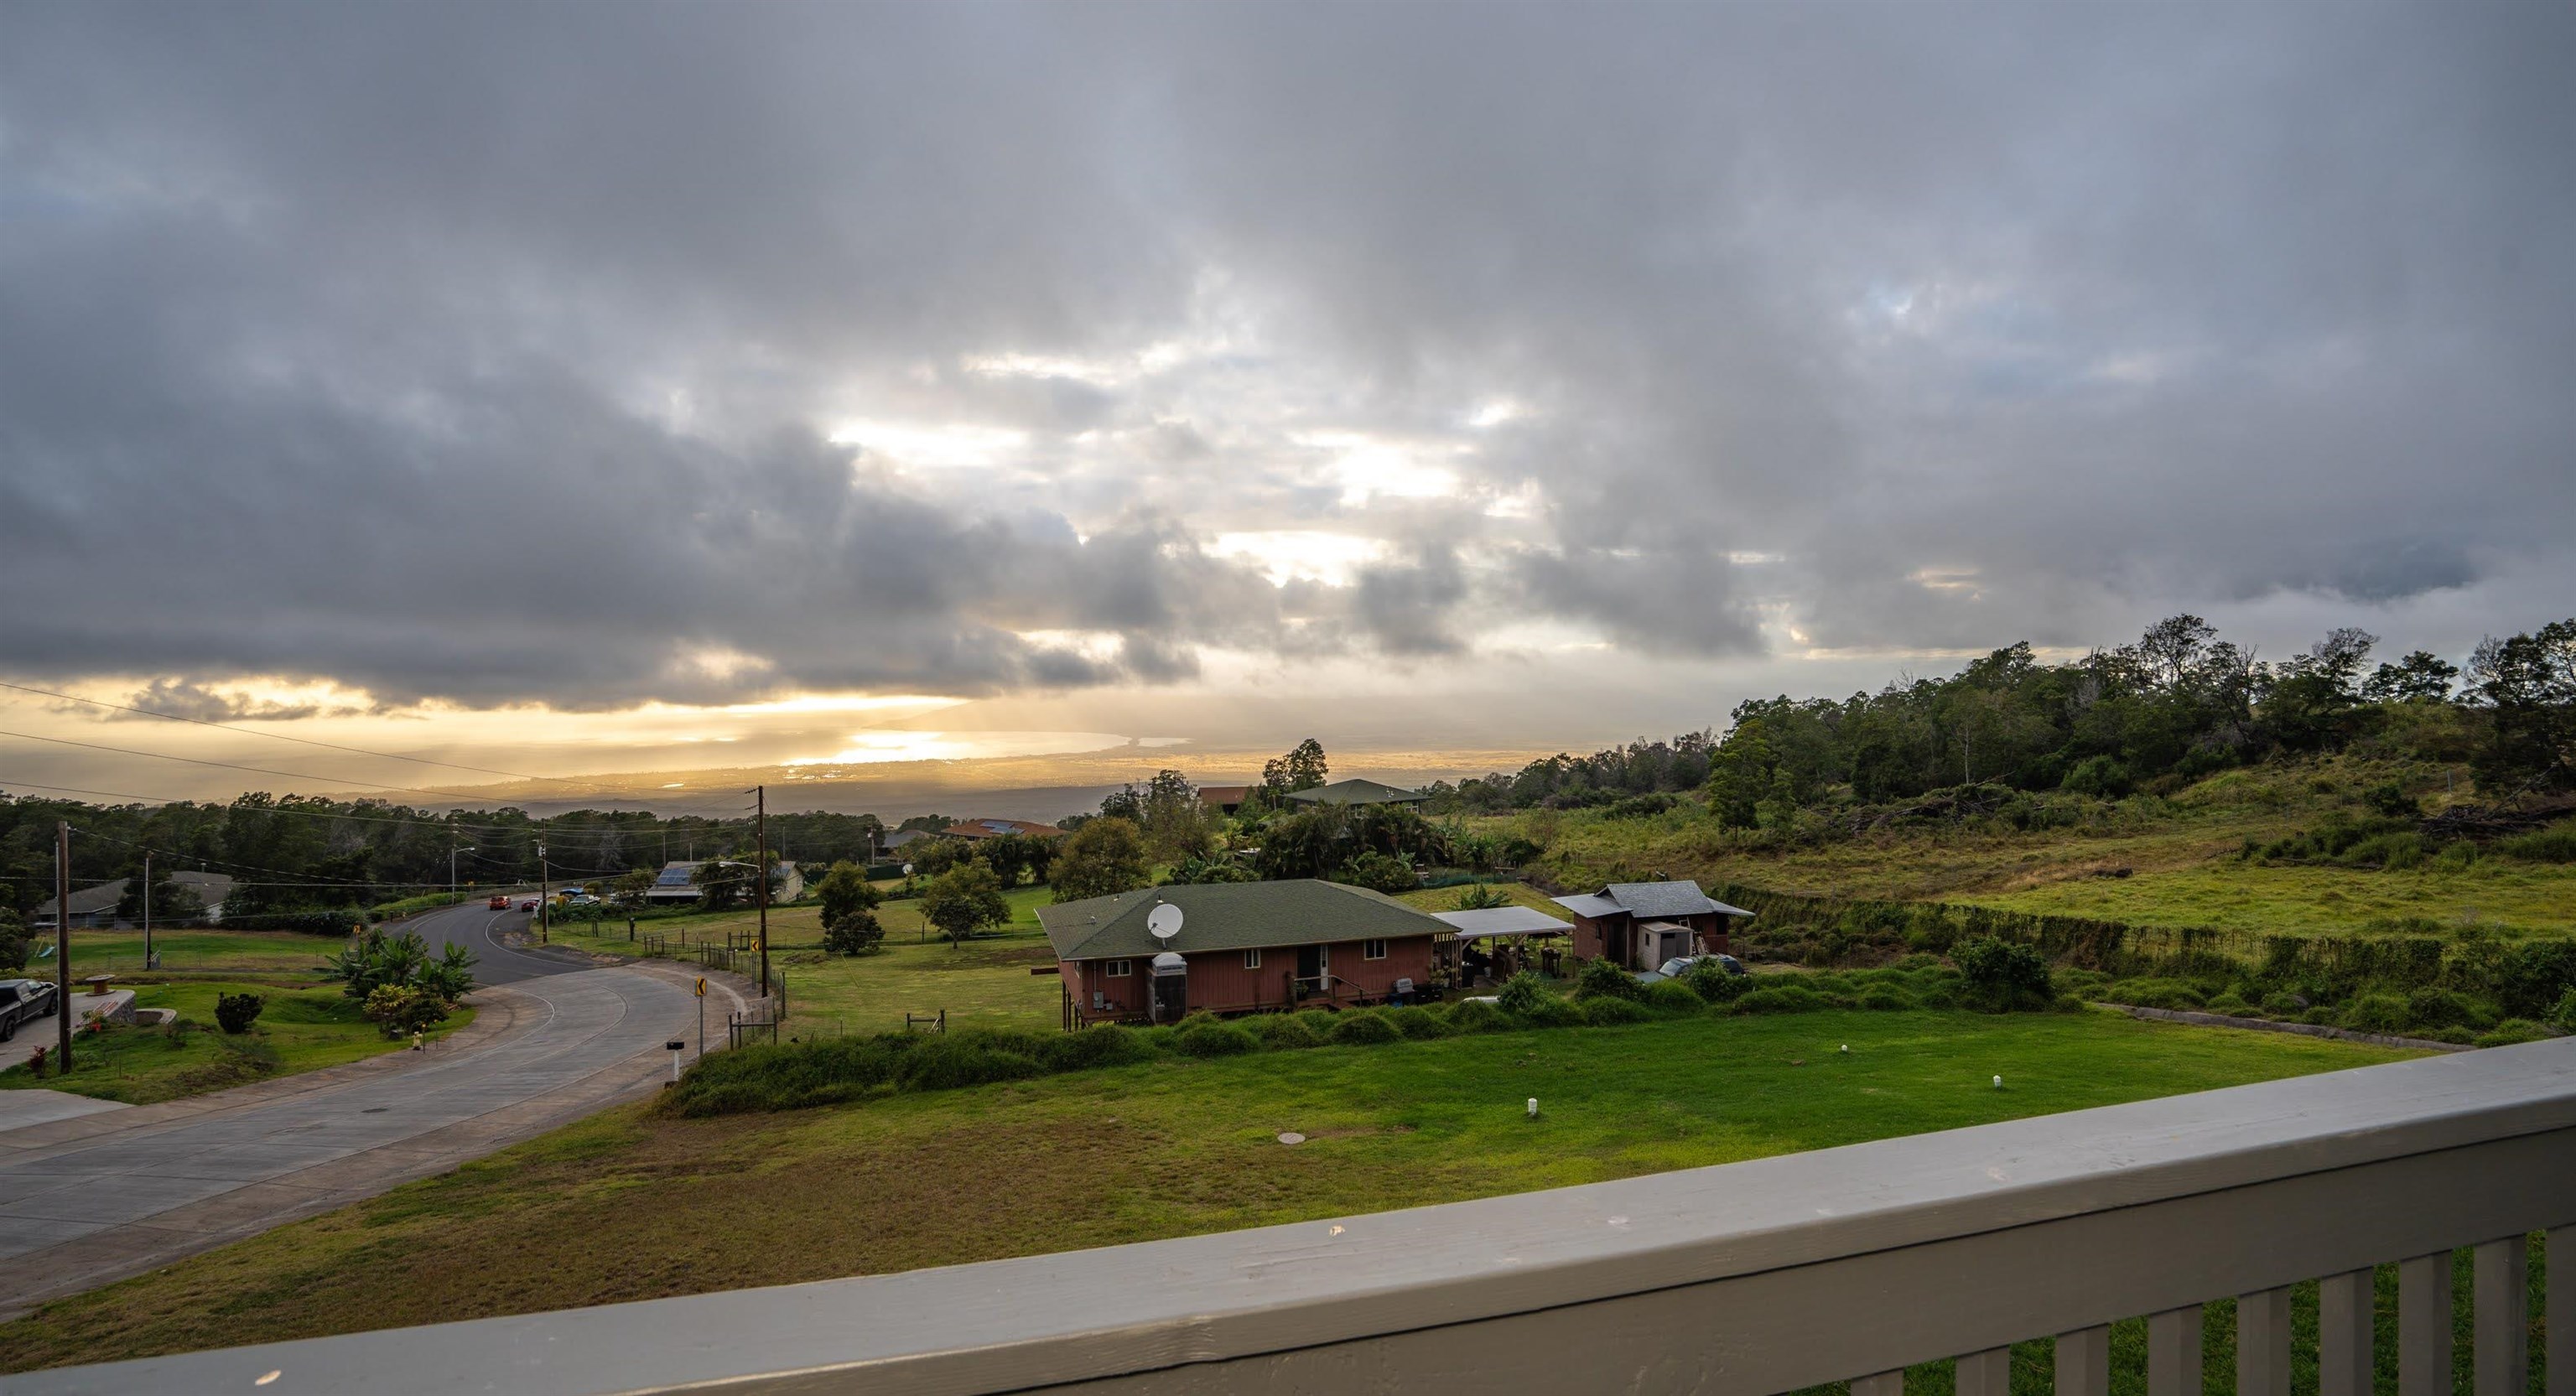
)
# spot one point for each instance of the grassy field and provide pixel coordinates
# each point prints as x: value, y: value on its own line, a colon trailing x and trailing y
x: 299, y: 1030
x: 983, y: 983
x: 2148, y: 860
x: 268, y: 953
x: 630, y: 1205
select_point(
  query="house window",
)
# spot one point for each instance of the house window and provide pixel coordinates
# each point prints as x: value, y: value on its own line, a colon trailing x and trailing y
x: 1372, y: 950
x: 1115, y: 969
x: 1252, y: 959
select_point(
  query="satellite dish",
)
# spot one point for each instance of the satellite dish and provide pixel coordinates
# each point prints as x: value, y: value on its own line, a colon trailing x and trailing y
x: 1164, y: 921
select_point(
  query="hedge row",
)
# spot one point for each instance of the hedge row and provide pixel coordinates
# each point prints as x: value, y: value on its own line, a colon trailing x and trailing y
x: 796, y: 1075
x: 321, y: 923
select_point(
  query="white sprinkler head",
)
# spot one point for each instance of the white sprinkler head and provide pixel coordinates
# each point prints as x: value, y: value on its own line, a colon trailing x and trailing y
x: 1846, y: 1047
x: 1999, y: 1083
x: 1533, y: 1107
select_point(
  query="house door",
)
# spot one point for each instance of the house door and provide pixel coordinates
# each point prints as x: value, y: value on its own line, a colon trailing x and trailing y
x: 1171, y: 997
x: 1615, y: 943
x: 1310, y: 961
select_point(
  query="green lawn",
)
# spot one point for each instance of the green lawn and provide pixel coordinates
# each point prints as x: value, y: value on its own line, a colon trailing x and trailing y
x: 629, y: 1205
x: 184, y: 951
x: 298, y: 1030
x: 983, y: 983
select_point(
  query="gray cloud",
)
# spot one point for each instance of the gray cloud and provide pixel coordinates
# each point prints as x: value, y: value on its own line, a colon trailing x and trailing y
x: 490, y: 355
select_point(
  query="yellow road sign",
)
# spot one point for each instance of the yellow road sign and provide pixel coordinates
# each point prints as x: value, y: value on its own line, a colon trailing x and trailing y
x: 702, y: 987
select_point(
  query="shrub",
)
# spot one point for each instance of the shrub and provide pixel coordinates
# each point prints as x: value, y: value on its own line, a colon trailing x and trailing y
x: 1282, y: 1032
x: 856, y: 933
x: 2100, y: 776
x: 2512, y: 1031
x: 2068, y: 1003
x: 2001, y: 976
x: 1320, y: 1022
x: 1943, y: 995
x: 1418, y: 1023
x: 2442, y: 1008
x: 2231, y: 1003
x: 1363, y: 1028
x: 2555, y: 844
x: 1553, y: 1012
x: 2155, y: 993
x: 2535, y: 975
x: 1610, y: 1012
x: 946, y: 1061
x: 1103, y: 1044
x: 1215, y: 1040
x: 400, y: 1009
x: 1603, y: 979
x: 1379, y: 872
x: 2562, y: 1016
x: 2385, y: 1013
x: 1711, y: 981
x: 1521, y: 994
x: 1881, y: 998
x: 2281, y: 1004
x: 1481, y: 896
x: 1788, y: 998
x: 234, y: 1013
x: 2389, y: 798
x: 1470, y: 1016
x: 1673, y: 998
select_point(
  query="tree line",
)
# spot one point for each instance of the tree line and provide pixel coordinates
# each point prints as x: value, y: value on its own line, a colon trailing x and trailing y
x: 2179, y: 703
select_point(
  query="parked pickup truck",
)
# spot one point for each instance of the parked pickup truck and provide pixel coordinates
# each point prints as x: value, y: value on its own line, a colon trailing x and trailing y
x: 22, y: 1001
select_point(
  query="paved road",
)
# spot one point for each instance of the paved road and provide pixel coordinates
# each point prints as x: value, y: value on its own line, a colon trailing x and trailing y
x: 479, y: 928
x: 84, y: 1201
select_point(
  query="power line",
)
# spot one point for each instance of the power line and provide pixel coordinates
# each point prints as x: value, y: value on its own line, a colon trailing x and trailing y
x: 247, y: 867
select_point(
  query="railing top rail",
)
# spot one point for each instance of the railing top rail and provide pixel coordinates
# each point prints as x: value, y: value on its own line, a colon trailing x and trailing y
x: 1011, y: 1324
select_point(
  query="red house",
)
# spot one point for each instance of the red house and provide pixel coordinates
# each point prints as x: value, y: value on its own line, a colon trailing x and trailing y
x: 1241, y: 947
x: 1639, y: 925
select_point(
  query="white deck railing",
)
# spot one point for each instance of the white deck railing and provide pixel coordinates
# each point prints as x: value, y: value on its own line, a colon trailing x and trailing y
x: 1751, y: 1278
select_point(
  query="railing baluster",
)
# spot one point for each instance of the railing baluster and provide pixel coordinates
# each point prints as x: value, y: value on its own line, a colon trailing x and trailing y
x: 2500, y: 1310
x: 2558, y: 1326
x: 1987, y: 1373
x: 2345, y: 1311
x: 2173, y: 1352
x: 1884, y: 1384
x: 2084, y: 1362
x: 2424, y: 1325
x: 2263, y: 1343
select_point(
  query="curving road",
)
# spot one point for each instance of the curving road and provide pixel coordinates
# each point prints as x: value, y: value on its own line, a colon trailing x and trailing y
x: 479, y: 928
x: 88, y: 1200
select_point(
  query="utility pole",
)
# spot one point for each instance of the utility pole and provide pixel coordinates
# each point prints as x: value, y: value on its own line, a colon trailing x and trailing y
x: 147, y: 908
x: 451, y: 868
x: 63, y: 939
x: 544, y: 876
x: 760, y: 877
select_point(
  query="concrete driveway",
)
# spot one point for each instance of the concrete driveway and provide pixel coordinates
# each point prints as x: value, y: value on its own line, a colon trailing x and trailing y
x: 88, y: 1200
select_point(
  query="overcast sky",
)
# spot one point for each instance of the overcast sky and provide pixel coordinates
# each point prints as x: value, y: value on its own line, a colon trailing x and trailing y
x: 1631, y: 359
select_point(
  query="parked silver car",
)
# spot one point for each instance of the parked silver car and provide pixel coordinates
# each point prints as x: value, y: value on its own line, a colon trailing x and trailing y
x: 23, y: 1001
x: 1680, y: 965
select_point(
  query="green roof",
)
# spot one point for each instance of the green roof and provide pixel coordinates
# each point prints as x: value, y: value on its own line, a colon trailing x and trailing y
x: 1231, y: 916
x: 1356, y: 792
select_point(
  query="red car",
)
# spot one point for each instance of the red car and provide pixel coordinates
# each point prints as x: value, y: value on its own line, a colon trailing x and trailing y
x: 529, y: 905
x: 500, y: 901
